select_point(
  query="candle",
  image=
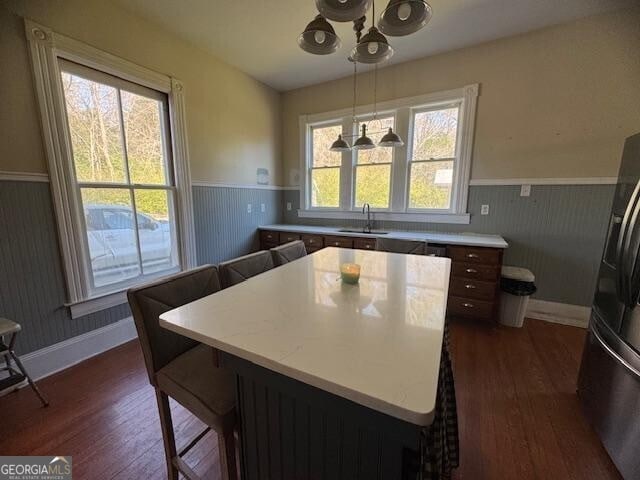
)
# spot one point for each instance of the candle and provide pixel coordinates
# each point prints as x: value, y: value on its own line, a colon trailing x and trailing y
x: 350, y: 273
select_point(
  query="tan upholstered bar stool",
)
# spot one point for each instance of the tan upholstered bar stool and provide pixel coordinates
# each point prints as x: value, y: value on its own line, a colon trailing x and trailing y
x: 288, y: 252
x: 184, y: 369
x: 240, y: 269
x: 18, y: 376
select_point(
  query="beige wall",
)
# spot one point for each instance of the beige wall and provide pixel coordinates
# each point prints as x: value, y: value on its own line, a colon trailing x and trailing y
x: 233, y: 121
x: 556, y: 102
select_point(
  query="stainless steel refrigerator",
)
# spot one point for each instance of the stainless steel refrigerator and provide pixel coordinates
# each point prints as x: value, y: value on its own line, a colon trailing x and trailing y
x: 609, y: 382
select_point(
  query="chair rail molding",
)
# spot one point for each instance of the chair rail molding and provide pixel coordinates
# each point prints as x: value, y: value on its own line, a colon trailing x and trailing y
x: 46, y: 47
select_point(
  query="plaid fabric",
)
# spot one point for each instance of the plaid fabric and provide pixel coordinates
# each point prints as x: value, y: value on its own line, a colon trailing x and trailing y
x: 439, y: 449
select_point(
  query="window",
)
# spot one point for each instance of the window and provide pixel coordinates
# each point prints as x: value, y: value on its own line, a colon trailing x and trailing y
x: 324, y: 170
x: 427, y: 179
x: 432, y: 158
x: 373, y: 168
x: 122, y: 164
x: 115, y: 140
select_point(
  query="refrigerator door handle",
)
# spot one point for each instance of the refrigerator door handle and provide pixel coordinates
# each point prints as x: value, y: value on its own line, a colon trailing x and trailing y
x: 621, y: 250
x: 630, y: 257
x: 614, y: 355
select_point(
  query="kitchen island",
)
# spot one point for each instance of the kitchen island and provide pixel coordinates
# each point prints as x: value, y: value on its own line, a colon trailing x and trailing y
x: 334, y: 380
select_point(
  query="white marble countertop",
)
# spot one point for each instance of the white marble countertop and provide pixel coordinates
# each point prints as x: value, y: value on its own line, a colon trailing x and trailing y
x: 467, y: 239
x: 377, y: 343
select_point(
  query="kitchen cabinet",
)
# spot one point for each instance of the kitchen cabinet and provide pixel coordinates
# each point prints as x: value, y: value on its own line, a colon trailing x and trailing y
x: 474, y: 287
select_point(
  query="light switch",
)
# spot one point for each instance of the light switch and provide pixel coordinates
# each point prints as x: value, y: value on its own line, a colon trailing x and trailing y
x: 525, y: 190
x: 248, y: 208
x: 484, y: 210
x: 288, y: 205
x: 263, y: 208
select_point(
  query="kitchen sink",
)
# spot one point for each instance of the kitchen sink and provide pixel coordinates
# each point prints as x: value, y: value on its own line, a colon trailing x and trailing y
x: 362, y: 232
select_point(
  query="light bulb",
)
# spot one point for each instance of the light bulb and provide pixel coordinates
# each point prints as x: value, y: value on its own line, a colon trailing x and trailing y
x: 319, y: 36
x: 404, y: 11
x: 372, y: 47
x: 342, y: 1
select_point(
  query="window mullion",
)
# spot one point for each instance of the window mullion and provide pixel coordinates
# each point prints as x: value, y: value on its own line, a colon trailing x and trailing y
x: 132, y: 194
x: 399, y: 167
x: 346, y: 171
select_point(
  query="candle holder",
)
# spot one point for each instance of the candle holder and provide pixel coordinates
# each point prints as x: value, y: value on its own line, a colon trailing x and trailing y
x: 350, y: 273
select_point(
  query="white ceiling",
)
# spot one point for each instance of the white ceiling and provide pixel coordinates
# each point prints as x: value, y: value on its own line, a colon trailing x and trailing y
x: 259, y: 36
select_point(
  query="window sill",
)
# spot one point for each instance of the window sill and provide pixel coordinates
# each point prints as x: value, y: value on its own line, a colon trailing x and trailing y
x: 96, y: 304
x: 423, y: 217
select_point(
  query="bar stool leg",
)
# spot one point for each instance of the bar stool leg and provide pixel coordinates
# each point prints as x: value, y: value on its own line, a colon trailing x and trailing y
x: 18, y: 363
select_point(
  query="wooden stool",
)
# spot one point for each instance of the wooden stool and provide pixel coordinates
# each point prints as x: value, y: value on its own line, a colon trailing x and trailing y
x: 17, y: 378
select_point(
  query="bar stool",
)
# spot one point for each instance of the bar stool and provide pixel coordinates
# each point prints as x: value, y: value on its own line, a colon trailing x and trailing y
x: 17, y: 377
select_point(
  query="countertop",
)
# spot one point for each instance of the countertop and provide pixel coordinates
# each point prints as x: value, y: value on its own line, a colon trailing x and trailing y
x: 377, y: 343
x: 467, y: 239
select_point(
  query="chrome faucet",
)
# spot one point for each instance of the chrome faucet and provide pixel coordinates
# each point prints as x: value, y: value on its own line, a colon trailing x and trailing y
x: 367, y: 226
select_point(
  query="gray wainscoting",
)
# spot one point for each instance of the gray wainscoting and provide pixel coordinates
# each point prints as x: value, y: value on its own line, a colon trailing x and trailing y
x: 558, y: 232
x: 224, y: 228
x: 32, y: 287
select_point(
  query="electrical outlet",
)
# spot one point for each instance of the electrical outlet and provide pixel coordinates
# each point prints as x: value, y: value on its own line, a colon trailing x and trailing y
x: 525, y: 190
x: 263, y: 208
x: 288, y: 205
x: 248, y: 208
x: 484, y: 210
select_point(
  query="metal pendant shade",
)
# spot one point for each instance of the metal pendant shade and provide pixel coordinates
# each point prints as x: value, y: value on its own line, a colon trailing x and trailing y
x: 372, y: 48
x: 391, y: 139
x: 403, y: 17
x: 364, y: 142
x: 319, y: 37
x: 343, y: 10
x: 340, y: 145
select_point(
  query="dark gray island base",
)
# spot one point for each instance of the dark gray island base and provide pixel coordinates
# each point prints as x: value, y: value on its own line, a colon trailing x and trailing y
x: 292, y: 431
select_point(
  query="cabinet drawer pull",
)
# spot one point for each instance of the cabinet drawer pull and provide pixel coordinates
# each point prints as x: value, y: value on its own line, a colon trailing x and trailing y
x: 469, y: 286
x: 467, y: 305
x: 472, y: 255
x: 336, y: 243
x: 471, y: 270
x: 269, y: 236
x: 368, y: 246
x: 311, y: 241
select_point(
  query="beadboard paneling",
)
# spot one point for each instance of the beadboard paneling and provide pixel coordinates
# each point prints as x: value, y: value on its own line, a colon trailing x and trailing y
x: 558, y: 232
x: 224, y: 228
x: 32, y: 290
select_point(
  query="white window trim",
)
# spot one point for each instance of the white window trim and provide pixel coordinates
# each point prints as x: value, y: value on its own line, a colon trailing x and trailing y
x: 403, y: 109
x: 46, y: 47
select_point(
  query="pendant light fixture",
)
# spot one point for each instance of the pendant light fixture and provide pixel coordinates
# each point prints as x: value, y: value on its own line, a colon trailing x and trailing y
x: 403, y: 17
x: 372, y: 48
x: 319, y: 37
x: 390, y: 139
x: 364, y: 142
x: 340, y: 145
x: 343, y: 10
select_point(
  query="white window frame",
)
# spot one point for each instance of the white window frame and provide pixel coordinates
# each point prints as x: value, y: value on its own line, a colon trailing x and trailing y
x: 46, y: 47
x: 403, y: 109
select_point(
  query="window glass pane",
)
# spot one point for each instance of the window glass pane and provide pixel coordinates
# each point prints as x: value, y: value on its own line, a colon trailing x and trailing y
x: 376, y: 129
x: 430, y: 185
x: 325, y: 187
x: 144, y: 138
x: 322, y: 139
x: 156, y: 230
x: 111, y: 237
x: 373, y: 185
x: 434, y: 134
x: 94, y: 125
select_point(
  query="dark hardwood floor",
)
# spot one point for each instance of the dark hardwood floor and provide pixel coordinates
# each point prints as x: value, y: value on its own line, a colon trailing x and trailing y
x: 519, y: 414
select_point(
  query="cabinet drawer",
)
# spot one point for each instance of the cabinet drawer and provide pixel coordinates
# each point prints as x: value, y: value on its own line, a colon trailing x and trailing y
x: 487, y: 256
x: 288, y: 237
x: 475, y: 271
x: 312, y: 241
x: 463, y: 287
x: 364, y: 243
x: 469, y: 307
x: 343, y: 242
x: 269, y: 236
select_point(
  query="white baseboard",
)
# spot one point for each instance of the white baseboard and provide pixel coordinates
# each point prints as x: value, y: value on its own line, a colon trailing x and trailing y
x: 57, y: 357
x: 563, y: 313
